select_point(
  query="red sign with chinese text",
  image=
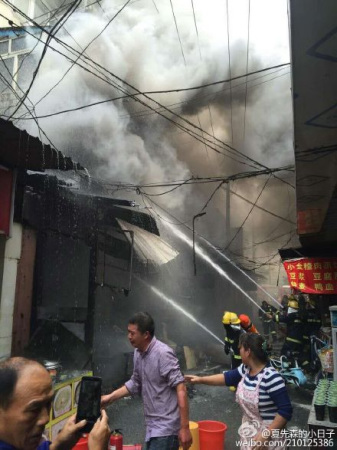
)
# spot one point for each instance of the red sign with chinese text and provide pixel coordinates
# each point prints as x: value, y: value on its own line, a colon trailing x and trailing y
x: 312, y: 275
x: 6, y: 186
x: 309, y: 221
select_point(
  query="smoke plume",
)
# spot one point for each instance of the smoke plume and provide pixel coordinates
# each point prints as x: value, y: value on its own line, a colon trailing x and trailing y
x: 155, y: 48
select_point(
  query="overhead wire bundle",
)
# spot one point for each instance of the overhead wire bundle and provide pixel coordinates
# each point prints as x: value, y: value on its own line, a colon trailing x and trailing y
x: 81, y: 59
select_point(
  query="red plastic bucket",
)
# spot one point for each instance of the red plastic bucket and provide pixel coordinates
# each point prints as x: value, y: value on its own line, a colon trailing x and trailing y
x: 212, y: 435
x: 82, y: 444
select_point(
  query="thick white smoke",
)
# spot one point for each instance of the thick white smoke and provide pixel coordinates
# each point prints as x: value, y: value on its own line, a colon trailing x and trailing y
x: 125, y: 141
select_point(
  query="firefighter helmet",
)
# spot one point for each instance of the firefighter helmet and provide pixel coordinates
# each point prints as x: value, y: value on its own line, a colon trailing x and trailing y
x: 293, y: 303
x: 230, y: 318
x: 245, y: 321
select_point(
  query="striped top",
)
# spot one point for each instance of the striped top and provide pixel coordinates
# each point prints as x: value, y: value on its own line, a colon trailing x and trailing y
x: 273, y: 396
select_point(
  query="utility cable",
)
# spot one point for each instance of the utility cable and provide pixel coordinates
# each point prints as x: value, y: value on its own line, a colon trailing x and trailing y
x: 191, y: 132
x: 18, y: 97
x: 54, y: 28
x: 196, y: 29
x: 173, y: 106
x: 184, y: 129
x: 171, y: 112
x: 154, y: 4
x: 266, y: 241
x: 83, y: 51
x: 11, y: 87
x: 202, y: 134
x: 249, y: 213
x: 166, y: 109
x: 179, y: 222
x: 197, y: 137
x: 166, y: 192
x: 211, y: 196
x: 177, y: 29
x: 26, y: 55
x: 202, y: 180
x: 20, y: 65
x: 262, y: 209
x: 277, y: 253
x: 89, y: 105
x: 57, y: 10
x: 40, y: 130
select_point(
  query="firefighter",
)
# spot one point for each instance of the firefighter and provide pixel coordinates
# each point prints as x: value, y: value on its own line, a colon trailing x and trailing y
x: 294, y: 338
x: 314, y: 320
x: 311, y: 325
x: 301, y: 304
x: 266, y: 316
x: 247, y: 325
x: 281, y: 328
x: 232, y: 325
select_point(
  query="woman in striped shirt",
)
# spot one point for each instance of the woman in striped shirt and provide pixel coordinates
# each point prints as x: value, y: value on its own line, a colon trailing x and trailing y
x: 261, y: 394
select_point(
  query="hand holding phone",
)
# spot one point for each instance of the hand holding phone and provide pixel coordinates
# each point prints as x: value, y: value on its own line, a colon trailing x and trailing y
x: 89, y: 402
x: 100, y: 434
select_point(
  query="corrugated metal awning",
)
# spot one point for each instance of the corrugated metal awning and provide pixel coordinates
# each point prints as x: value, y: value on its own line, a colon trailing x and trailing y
x: 149, y: 246
x: 18, y: 149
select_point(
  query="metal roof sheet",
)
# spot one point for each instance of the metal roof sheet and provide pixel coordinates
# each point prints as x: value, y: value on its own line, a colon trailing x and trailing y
x: 18, y: 149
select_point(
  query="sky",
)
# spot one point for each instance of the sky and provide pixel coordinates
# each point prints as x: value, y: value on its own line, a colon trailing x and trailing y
x: 159, y: 45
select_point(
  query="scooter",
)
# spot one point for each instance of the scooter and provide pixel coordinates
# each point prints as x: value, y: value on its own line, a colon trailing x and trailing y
x: 290, y: 374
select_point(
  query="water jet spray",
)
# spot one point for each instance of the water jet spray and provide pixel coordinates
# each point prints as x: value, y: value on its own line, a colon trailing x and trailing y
x: 181, y: 309
x: 207, y: 259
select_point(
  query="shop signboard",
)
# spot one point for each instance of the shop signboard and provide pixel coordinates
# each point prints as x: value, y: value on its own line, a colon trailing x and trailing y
x: 312, y: 275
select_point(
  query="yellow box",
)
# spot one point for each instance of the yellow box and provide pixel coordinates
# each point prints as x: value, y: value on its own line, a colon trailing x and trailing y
x: 65, y: 402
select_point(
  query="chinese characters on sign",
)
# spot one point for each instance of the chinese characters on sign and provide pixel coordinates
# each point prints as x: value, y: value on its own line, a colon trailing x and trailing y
x: 309, y: 221
x: 312, y: 275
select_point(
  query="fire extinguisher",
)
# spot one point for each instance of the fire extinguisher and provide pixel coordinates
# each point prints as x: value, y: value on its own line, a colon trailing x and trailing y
x: 116, y: 440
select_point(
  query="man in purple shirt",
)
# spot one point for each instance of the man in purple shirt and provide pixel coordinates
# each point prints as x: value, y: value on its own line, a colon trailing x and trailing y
x: 158, y: 379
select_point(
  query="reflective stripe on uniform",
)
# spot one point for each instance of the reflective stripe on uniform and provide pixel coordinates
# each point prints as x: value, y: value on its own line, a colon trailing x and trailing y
x: 297, y: 321
x: 237, y: 356
x: 293, y: 340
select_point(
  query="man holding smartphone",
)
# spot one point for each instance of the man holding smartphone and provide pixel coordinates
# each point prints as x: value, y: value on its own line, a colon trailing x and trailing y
x: 158, y: 379
x: 26, y: 394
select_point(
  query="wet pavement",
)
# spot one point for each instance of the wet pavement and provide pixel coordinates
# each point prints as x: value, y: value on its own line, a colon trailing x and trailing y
x: 206, y: 403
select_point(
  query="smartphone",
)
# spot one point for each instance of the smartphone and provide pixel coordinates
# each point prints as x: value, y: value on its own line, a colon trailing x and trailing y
x: 89, y: 402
